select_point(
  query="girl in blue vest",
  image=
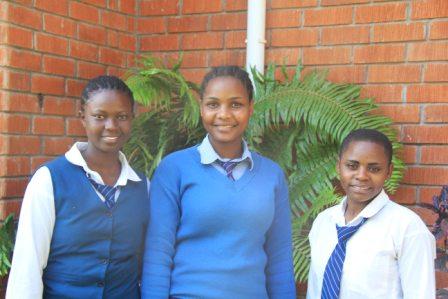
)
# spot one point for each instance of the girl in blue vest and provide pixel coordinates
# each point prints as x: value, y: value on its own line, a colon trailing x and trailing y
x: 84, y: 215
x: 220, y: 217
x: 369, y: 246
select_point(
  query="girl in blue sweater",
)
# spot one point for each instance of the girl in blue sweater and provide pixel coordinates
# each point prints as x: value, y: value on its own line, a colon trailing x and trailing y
x: 219, y: 218
x: 84, y: 214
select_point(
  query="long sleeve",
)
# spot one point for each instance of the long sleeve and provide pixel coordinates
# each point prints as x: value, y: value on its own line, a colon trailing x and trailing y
x: 416, y: 265
x: 279, y: 270
x: 161, y: 233
x: 32, y: 246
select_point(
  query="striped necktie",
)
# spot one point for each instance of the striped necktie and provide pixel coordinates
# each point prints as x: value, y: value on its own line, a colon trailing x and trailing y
x: 108, y: 192
x: 333, y: 271
x: 228, y: 167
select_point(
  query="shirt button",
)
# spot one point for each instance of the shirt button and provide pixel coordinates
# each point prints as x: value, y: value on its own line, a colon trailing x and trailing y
x: 100, y: 284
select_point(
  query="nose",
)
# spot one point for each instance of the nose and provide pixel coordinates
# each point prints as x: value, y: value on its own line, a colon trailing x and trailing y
x: 362, y: 174
x: 223, y: 112
x: 111, y: 124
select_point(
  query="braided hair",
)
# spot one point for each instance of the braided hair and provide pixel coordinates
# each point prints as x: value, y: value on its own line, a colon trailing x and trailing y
x: 105, y: 83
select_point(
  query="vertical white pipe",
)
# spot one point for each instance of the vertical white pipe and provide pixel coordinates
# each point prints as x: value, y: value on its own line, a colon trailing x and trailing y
x: 256, y: 24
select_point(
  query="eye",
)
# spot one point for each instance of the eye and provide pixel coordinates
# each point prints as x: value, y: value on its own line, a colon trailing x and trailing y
x: 123, y: 117
x: 374, y: 169
x: 351, y: 166
x: 212, y: 105
x: 98, y: 116
x: 236, y: 105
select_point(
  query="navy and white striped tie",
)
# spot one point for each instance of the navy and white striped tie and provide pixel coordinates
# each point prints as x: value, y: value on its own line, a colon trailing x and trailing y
x: 228, y: 167
x: 333, y: 271
x: 108, y: 192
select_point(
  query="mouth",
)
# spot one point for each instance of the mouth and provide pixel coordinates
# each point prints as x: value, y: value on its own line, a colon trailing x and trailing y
x: 225, y: 126
x: 360, y: 188
x: 110, y: 138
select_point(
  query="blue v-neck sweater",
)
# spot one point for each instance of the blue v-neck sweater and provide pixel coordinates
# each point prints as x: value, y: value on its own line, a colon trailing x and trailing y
x: 211, y: 237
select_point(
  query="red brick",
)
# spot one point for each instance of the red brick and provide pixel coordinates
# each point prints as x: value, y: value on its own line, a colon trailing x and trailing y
x: 428, y: 9
x: 194, y: 6
x: 436, y: 113
x: 328, y: 16
x: 58, y: 106
x: 428, y: 51
x: 426, y: 175
x: 439, y: 30
x: 127, y: 42
x: 398, y: 32
x: 90, y: 70
x: 10, y: 206
x: 436, y: 73
x: 127, y: 6
x: 191, y: 59
x: 48, y: 125
x: 426, y: 193
x: 383, y: 93
x: 132, y: 24
x: 20, y: 102
x: 15, y: 36
x: 427, y: 93
x: 428, y: 216
x: 131, y: 60
x: 232, y: 5
x: 21, y: 15
x: 58, y: 66
x: 405, y: 195
x: 409, y: 154
x: 113, y: 20
x: 51, y: 44
x: 75, y: 127
x: 341, y: 2
x: 99, y: 3
x: 14, y: 166
x: 206, y: 40
x: 15, y: 80
x: 112, y: 4
x: 37, y: 162
x: 400, y: 113
x: 56, y: 146
x: 347, y: 74
x: 112, y: 38
x: 434, y: 154
x: 187, y: 24
x: 12, y: 187
x: 12, y: 123
x: 283, y: 18
x: 313, y: 56
x: 84, y: 12
x: 59, y: 7
x: 91, y: 33
x: 292, y: 3
x: 20, y: 145
x: 379, y: 53
x: 380, y: 13
x: 158, y: 7
x: 59, y: 25
x: 425, y: 134
x: 83, y: 51
x: 294, y: 37
x: 116, y: 71
x: 112, y: 57
x: 159, y: 43
x: 283, y: 56
x: 345, y: 35
x: 393, y: 73
x: 151, y: 25
x: 75, y: 87
x: 26, y: 60
x: 229, y: 21
x: 194, y: 75
x: 235, y: 39
x: 231, y: 57
x: 47, y: 85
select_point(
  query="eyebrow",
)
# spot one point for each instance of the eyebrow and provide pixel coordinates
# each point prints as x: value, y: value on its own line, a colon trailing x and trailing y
x: 356, y: 161
x: 217, y: 99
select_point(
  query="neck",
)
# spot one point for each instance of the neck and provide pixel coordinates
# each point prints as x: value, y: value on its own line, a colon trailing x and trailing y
x: 353, y: 209
x: 229, y: 150
x: 106, y: 164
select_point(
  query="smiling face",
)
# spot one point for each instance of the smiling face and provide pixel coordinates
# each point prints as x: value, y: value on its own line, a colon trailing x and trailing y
x: 225, y: 112
x: 107, y: 118
x: 363, y: 168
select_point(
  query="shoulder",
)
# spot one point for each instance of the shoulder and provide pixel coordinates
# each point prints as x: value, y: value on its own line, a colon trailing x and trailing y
x: 178, y: 160
x: 404, y: 218
x: 266, y: 163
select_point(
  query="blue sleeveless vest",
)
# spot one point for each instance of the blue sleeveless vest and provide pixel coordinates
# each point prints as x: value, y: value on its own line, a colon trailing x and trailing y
x: 95, y: 252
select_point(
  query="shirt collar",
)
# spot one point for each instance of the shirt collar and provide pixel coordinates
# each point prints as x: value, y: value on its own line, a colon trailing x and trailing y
x: 209, y: 155
x: 75, y: 157
x: 369, y: 211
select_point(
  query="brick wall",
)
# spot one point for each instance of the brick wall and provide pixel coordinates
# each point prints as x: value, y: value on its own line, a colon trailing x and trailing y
x: 397, y: 50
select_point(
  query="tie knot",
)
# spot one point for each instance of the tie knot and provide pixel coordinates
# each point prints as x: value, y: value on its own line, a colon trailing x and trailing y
x: 346, y: 232
x: 228, y: 167
x: 108, y: 192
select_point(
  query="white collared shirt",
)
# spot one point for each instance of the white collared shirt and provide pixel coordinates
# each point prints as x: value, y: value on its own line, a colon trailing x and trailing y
x: 391, y: 256
x: 36, y: 223
x: 209, y: 156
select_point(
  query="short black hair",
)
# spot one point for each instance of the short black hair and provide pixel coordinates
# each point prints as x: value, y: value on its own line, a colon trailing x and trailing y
x: 106, y: 83
x: 229, y: 71
x: 369, y: 135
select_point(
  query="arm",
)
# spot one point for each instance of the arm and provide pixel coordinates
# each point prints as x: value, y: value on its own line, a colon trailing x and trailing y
x: 416, y: 265
x: 37, y: 217
x: 279, y: 271
x: 161, y: 233
x: 313, y: 288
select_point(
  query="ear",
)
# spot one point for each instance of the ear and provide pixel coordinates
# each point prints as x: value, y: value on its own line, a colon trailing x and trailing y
x: 338, y: 167
x: 391, y: 168
x: 251, y: 107
x: 81, y: 115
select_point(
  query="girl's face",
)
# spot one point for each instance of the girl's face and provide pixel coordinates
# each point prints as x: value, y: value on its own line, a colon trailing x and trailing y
x: 225, y: 111
x: 363, y: 168
x: 107, y: 118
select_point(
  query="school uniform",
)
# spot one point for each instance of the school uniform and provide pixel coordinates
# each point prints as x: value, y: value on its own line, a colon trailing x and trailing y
x: 390, y: 256
x: 69, y: 243
x: 214, y: 237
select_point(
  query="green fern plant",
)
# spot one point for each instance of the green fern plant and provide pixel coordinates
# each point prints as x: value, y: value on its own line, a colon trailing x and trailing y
x: 7, y: 234
x: 297, y: 122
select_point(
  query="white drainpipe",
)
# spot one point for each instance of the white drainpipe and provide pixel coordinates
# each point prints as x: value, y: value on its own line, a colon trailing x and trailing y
x: 256, y: 24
